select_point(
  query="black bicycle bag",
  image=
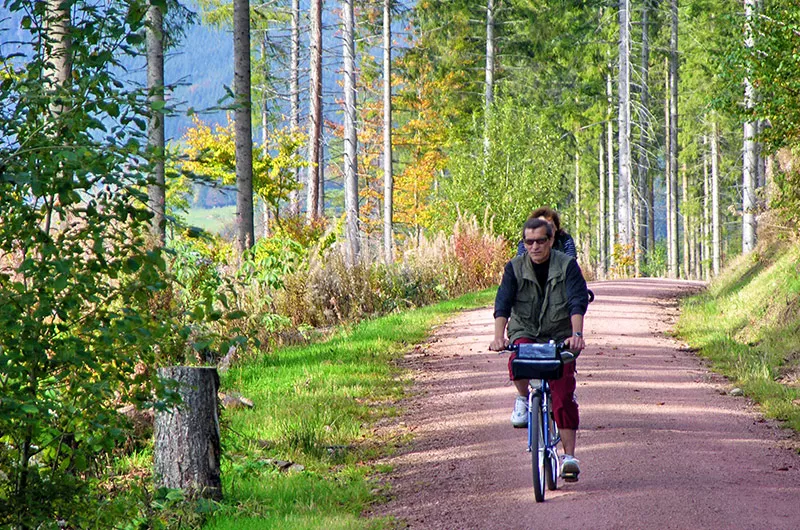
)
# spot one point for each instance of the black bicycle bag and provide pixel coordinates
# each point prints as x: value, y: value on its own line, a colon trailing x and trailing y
x: 537, y: 361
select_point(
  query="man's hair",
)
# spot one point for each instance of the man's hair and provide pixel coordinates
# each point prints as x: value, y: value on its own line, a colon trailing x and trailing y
x: 533, y: 223
x: 548, y: 213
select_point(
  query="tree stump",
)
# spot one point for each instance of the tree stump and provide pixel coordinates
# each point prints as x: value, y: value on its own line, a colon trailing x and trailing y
x: 187, y: 441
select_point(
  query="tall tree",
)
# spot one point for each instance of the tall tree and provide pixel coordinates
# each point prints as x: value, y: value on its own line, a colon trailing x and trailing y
x: 668, y: 165
x: 644, y: 204
x: 601, y: 207
x: 715, y: 220
x: 245, y: 228
x: 294, y: 91
x: 350, y: 133
x: 612, y: 207
x: 749, y: 163
x: 706, y: 245
x: 388, y: 179
x: 156, y: 191
x: 687, y: 228
x: 624, y: 131
x: 315, y: 110
x: 488, y: 94
x: 673, y: 138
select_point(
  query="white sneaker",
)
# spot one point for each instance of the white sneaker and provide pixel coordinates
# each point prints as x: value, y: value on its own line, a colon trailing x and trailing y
x: 519, y: 416
x: 569, y: 468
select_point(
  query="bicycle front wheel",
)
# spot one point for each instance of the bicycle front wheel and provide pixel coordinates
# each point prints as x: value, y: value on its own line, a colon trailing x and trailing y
x: 551, y: 461
x: 538, y: 451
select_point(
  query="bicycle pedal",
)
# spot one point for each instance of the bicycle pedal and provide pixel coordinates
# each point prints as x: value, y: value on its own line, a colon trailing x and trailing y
x: 570, y: 477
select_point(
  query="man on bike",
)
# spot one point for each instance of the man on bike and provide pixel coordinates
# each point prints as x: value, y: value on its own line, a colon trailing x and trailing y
x: 543, y: 297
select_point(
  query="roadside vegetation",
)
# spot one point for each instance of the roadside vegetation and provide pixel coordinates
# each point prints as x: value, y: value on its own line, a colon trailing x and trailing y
x: 748, y: 325
x: 304, y: 455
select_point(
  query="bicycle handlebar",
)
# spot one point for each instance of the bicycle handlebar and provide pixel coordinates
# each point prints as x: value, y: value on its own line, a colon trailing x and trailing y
x: 566, y: 355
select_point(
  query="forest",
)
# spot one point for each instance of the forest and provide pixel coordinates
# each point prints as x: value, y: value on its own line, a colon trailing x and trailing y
x: 665, y: 132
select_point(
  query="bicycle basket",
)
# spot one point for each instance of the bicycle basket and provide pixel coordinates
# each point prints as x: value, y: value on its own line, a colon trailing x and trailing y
x: 537, y: 361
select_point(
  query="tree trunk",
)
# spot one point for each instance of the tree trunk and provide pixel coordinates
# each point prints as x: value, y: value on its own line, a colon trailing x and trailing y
x: 156, y: 190
x: 315, y: 110
x: 388, y: 177
x: 749, y: 164
x: 644, y: 202
x: 687, y: 259
x: 294, y: 94
x: 58, y: 62
x: 673, y: 141
x: 715, y: 222
x: 602, y: 208
x: 265, y: 211
x: 243, y: 127
x: 704, y: 246
x: 624, y: 132
x: 488, y: 97
x: 610, y: 154
x: 186, y: 452
x: 321, y: 173
x: 350, y: 138
x: 667, y: 169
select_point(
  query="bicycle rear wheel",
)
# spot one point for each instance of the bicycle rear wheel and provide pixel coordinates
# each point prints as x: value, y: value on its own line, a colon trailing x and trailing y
x: 538, y: 452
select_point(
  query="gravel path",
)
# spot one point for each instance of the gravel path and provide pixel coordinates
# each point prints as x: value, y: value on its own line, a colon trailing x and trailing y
x: 661, y: 445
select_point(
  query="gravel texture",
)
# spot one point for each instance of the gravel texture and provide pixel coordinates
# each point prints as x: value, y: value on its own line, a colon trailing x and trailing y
x: 662, y: 444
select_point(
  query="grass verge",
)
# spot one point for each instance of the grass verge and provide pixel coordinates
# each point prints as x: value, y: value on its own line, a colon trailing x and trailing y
x: 748, y: 325
x: 303, y: 457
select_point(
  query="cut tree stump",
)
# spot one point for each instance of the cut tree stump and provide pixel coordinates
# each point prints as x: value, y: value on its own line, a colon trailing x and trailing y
x: 187, y: 445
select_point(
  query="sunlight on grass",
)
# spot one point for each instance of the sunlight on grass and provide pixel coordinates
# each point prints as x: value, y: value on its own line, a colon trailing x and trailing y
x: 748, y: 325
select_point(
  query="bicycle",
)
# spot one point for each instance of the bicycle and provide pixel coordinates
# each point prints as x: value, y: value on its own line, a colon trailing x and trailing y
x: 541, y: 363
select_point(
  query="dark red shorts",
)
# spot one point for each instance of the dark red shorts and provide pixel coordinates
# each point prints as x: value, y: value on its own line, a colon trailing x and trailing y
x: 565, y: 407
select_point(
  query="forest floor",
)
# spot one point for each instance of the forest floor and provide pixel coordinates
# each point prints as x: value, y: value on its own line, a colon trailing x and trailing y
x: 662, y: 443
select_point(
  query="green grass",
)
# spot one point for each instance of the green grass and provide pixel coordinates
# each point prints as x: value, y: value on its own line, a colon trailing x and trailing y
x: 316, y: 406
x: 748, y: 325
x: 211, y: 219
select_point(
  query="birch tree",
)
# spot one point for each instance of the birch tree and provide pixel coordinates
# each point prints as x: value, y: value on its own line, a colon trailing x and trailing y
x: 673, y: 140
x: 624, y: 131
x: 350, y: 137
x: 610, y: 166
x: 388, y: 178
x: 488, y: 94
x: 602, y: 205
x: 294, y: 91
x: 644, y: 224
x: 315, y: 110
x: 715, y: 221
x: 749, y: 148
x: 245, y: 229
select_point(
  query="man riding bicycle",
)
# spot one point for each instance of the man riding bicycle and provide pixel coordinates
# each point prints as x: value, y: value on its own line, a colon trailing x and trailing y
x: 543, y: 297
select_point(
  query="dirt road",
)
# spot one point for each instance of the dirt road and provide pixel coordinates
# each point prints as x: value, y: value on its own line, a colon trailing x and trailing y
x: 661, y: 445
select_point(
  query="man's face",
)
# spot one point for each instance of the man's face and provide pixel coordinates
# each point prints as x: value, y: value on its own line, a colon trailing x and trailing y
x: 537, y: 244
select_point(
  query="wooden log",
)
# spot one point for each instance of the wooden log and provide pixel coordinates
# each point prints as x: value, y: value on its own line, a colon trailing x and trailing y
x: 187, y: 441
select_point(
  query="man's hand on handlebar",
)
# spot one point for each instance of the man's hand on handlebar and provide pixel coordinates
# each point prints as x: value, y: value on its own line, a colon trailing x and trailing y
x: 575, y: 343
x: 498, y: 344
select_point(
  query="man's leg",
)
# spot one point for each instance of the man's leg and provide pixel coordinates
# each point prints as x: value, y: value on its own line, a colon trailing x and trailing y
x: 565, y: 411
x: 568, y: 440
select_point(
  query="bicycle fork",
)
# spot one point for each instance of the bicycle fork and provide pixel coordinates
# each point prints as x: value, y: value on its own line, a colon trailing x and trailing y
x: 550, y: 440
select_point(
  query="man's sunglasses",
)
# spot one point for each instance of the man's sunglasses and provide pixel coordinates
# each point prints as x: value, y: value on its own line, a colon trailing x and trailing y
x: 540, y: 240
